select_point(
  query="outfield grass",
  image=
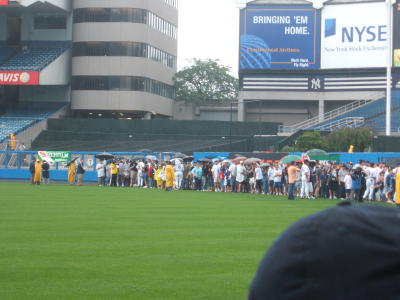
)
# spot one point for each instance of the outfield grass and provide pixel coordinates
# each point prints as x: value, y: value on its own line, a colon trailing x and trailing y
x: 89, y: 242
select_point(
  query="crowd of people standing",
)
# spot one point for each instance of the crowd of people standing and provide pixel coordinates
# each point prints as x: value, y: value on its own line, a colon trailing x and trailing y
x: 364, y: 181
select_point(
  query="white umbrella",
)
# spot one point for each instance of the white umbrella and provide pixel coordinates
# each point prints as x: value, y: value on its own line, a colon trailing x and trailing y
x: 252, y: 160
x: 174, y: 160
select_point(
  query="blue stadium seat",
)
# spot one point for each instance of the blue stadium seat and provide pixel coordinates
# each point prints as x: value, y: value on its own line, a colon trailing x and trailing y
x: 36, y: 57
x: 374, y: 113
x: 17, y: 120
x: 6, y: 52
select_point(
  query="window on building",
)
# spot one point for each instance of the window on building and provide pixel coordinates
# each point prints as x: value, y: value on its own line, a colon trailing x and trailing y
x: 132, y: 49
x: 132, y: 15
x: 122, y: 83
x: 50, y: 22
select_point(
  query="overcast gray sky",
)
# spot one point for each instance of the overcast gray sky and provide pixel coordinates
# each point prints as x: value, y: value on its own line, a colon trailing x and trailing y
x: 209, y: 29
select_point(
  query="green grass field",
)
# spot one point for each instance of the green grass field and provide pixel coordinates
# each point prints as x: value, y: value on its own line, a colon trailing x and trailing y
x: 89, y: 242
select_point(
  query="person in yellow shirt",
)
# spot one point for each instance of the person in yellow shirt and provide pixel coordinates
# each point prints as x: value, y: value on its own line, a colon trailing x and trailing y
x: 38, y: 172
x: 71, y: 172
x: 157, y: 177
x: 114, y: 173
x: 169, y: 176
x: 13, y: 142
x: 397, y: 176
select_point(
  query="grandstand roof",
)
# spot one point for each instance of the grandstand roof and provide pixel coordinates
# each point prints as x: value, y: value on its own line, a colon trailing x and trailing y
x: 39, y: 4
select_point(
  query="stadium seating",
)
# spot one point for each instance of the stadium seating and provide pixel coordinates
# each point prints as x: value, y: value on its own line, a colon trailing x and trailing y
x: 6, y: 52
x: 374, y: 112
x: 35, y: 57
x: 379, y: 122
x: 84, y: 141
x: 19, y: 119
x: 156, y: 135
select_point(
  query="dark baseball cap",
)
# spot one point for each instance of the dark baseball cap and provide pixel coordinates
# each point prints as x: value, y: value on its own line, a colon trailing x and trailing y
x: 345, y: 252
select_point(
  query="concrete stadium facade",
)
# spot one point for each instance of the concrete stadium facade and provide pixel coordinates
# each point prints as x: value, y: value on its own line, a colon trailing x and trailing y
x: 124, y: 56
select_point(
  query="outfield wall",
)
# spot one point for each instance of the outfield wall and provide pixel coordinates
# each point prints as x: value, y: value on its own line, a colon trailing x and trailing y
x: 14, y: 165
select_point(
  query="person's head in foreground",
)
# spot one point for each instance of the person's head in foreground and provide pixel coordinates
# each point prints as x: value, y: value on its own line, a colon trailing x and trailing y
x: 346, y: 252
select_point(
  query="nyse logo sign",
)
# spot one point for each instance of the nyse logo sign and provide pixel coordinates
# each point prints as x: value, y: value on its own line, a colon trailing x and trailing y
x: 354, y: 42
x: 316, y: 83
x: 352, y: 34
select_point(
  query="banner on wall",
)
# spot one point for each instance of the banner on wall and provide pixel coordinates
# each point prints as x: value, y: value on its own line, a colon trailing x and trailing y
x: 54, y: 156
x: 279, y: 37
x: 19, y: 78
x: 354, y: 42
x: 3, y: 2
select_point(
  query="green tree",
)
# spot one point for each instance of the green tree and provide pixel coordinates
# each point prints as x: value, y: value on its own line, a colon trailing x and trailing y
x: 340, y: 141
x: 310, y: 140
x: 289, y: 149
x: 205, y: 80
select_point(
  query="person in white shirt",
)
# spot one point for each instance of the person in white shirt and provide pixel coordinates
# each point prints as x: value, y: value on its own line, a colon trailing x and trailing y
x: 233, y: 172
x: 348, y: 182
x: 305, y: 179
x: 240, y: 175
x: 259, y: 178
x: 100, y: 173
x: 370, y: 182
x: 178, y: 168
x: 140, y: 169
x: 215, y: 174
x: 277, y: 180
x: 270, y: 175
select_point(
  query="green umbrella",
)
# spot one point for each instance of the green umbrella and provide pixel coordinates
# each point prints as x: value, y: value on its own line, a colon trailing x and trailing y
x: 316, y: 152
x: 289, y: 158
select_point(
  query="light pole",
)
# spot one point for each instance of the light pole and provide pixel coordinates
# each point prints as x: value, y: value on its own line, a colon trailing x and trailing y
x: 230, y: 124
x: 389, y: 67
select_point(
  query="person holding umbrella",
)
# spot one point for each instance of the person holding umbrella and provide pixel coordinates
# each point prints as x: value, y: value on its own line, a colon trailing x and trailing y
x: 72, y: 171
x: 100, y: 172
x: 80, y: 170
x: 38, y: 172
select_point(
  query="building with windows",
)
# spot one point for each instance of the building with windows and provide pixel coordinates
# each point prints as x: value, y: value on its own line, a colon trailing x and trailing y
x: 104, y: 58
x: 124, y: 58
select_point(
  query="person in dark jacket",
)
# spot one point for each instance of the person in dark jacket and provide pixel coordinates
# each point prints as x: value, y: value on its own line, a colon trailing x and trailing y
x: 45, y: 172
x: 32, y: 169
x: 80, y: 171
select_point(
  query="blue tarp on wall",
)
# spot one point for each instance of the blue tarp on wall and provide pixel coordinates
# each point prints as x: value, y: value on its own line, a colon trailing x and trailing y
x: 22, y: 172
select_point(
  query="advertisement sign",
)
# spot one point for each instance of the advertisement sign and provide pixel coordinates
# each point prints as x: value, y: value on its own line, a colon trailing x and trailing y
x: 3, y: 2
x: 396, y: 35
x: 54, y: 156
x: 279, y: 37
x: 19, y: 78
x: 354, y: 42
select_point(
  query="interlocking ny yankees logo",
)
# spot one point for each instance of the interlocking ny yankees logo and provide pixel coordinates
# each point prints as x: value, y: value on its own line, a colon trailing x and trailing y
x: 315, y: 84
